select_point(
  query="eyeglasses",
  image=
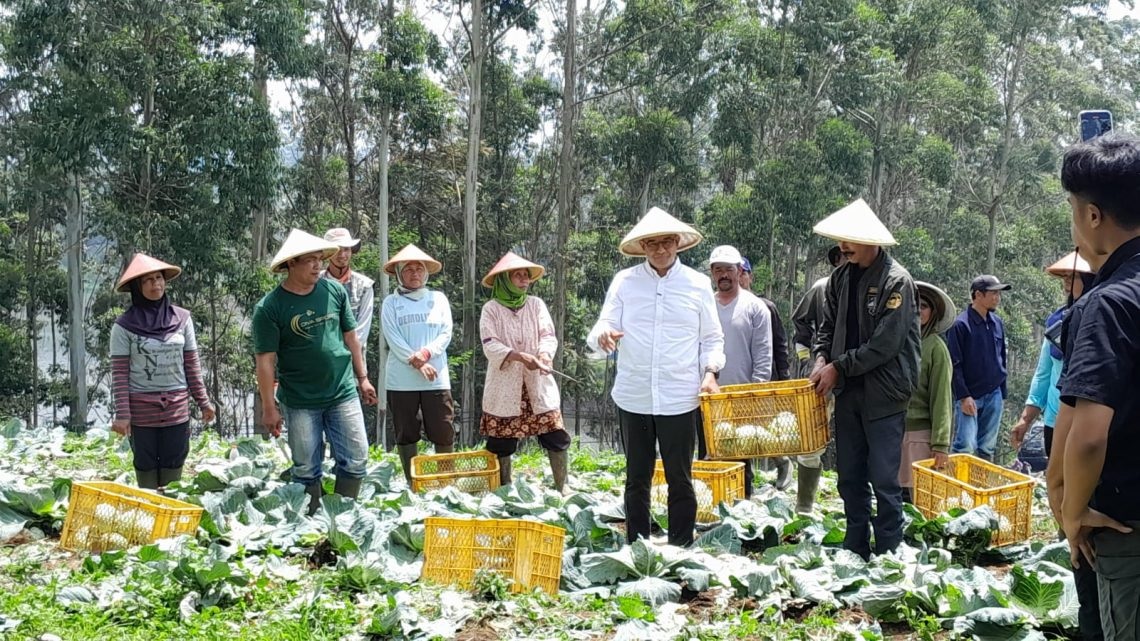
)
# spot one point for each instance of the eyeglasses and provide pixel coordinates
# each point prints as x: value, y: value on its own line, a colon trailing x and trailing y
x: 655, y: 244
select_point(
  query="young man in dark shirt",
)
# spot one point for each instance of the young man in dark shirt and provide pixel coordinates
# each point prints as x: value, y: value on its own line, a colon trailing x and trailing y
x: 1094, y: 481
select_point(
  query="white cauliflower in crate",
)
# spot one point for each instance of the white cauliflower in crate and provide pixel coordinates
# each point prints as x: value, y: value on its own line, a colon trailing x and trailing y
x: 785, y: 430
x: 747, y: 439
x: 471, y: 484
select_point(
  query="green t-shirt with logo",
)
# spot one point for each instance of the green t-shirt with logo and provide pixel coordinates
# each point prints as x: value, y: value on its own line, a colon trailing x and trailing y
x: 314, y: 367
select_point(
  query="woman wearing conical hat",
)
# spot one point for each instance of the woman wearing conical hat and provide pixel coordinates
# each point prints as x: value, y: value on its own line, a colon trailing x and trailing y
x: 417, y: 325
x: 154, y: 372
x: 520, y: 397
x: 1044, y: 396
x: 930, y: 412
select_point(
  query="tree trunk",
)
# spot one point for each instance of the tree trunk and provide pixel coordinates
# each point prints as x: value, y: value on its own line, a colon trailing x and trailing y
x: 77, y: 348
x: 215, y: 367
x: 382, y: 240
x: 565, y: 176
x: 260, y: 230
x: 32, y: 310
x: 470, y: 278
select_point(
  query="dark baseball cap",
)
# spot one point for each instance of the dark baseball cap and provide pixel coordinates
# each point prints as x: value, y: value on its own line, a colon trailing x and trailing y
x: 745, y: 265
x: 988, y: 283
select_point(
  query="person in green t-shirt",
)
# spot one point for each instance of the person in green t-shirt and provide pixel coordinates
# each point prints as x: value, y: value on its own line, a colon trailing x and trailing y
x: 304, y: 336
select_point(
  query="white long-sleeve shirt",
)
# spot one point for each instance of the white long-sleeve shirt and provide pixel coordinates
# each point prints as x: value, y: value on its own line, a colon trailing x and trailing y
x: 409, y: 326
x: 671, y: 335
x: 747, y: 326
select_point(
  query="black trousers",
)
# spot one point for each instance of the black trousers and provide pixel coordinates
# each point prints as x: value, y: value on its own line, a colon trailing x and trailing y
x: 160, y: 447
x: 869, y: 452
x: 556, y: 441
x: 703, y: 452
x: 1088, y: 598
x: 675, y: 436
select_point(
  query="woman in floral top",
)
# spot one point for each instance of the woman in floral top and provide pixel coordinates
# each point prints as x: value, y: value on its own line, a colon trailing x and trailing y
x: 520, y: 397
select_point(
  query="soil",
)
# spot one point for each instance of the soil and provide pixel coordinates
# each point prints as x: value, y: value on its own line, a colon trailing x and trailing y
x: 477, y: 631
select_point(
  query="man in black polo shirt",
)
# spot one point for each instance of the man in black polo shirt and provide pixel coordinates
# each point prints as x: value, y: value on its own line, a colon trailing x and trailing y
x: 1096, y: 489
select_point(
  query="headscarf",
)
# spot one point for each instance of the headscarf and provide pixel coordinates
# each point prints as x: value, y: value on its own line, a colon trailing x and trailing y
x: 414, y: 294
x: 1059, y: 315
x: 507, y: 293
x: 937, y: 310
x: 157, y: 319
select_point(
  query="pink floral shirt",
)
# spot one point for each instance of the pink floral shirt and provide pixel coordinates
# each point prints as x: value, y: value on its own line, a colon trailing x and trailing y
x: 528, y: 329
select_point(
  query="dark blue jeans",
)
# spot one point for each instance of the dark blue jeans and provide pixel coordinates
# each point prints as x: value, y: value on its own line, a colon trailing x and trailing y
x: 868, y: 454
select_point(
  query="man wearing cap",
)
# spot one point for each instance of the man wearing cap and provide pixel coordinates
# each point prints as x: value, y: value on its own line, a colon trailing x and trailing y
x: 661, y: 318
x: 304, y: 331
x: 358, y: 286
x: 1093, y: 477
x: 977, y: 350
x: 747, y: 326
x: 780, y: 369
x: 807, y: 317
x: 867, y: 351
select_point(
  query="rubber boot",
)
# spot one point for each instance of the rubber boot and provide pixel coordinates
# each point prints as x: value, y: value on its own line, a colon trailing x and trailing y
x: 147, y: 479
x: 807, y: 483
x: 168, y: 475
x: 346, y: 487
x: 444, y: 449
x: 406, y: 453
x: 315, y: 491
x: 558, y: 463
x: 783, y: 473
x: 504, y: 470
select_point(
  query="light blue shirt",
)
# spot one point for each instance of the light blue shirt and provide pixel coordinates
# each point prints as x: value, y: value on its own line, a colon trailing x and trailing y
x: 409, y: 326
x: 1043, y: 391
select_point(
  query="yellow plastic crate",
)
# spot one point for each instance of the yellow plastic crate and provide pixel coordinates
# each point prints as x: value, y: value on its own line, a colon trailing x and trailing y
x: 968, y: 482
x: 723, y: 482
x: 528, y: 553
x: 105, y: 516
x: 473, y: 472
x: 758, y: 420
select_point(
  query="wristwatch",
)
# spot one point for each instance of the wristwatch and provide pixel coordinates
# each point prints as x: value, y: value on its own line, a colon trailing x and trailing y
x: 714, y: 371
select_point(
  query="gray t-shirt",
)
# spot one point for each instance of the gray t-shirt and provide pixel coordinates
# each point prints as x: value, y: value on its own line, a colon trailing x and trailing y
x: 156, y: 366
x: 747, y: 326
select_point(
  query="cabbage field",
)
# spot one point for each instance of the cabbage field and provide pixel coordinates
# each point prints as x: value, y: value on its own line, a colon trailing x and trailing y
x: 258, y: 568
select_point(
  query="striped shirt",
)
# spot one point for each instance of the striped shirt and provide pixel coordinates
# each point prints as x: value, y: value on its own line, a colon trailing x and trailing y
x: 152, y: 380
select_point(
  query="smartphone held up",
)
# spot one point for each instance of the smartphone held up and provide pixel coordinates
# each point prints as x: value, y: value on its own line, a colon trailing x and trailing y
x: 1094, y: 122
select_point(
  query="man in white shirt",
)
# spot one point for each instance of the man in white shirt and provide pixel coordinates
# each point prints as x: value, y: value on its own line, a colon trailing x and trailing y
x: 671, y: 349
x: 747, y: 326
x: 358, y: 286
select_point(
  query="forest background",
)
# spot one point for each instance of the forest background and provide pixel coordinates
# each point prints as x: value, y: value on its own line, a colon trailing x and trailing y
x: 201, y: 131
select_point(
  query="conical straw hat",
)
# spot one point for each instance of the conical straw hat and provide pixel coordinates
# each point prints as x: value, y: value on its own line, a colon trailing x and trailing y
x: 299, y: 243
x: 1072, y: 262
x: 142, y: 265
x: 949, y: 312
x: 410, y: 254
x: 856, y: 223
x: 658, y: 222
x: 509, y: 263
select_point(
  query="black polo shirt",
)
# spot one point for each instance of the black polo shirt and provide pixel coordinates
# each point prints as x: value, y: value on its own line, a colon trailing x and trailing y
x: 1102, y: 365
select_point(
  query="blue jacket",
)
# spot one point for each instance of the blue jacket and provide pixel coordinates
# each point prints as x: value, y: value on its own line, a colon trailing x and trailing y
x: 977, y: 350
